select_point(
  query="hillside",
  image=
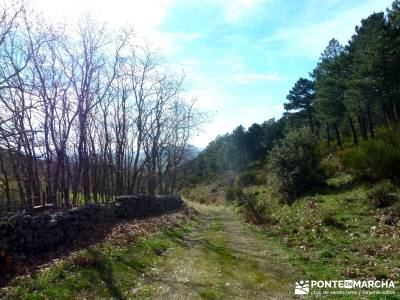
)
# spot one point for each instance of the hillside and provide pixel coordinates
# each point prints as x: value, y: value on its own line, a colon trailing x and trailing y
x: 334, y: 233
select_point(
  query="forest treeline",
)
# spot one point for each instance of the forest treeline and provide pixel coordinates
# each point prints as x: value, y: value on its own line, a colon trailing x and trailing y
x: 86, y: 113
x: 353, y: 90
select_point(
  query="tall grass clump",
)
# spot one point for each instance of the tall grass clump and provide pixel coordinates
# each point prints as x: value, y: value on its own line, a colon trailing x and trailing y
x: 384, y: 194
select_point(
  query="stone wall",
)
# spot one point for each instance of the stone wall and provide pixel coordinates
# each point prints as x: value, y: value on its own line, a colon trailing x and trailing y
x: 42, y: 232
x: 128, y: 207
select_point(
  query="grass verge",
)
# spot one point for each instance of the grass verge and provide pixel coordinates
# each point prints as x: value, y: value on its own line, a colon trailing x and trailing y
x: 101, y: 271
x: 336, y: 234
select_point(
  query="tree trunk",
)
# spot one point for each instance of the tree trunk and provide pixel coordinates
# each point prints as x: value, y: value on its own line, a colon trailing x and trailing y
x: 339, y: 140
x: 310, y: 120
x: 370, y: 122
x: 353, y: 131
x: 363, y: 129
x: 328, y: 134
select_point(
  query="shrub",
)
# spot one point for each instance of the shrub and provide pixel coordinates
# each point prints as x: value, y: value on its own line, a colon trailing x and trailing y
x: 390, y: 135
x: 230, y: 194
x: 373, y: 160
x: 295, y: 163
x: 202, y: 199
x: 233, y: 193
x: 6, y: 222
x: 257, y: 211
x: 227, y: 179
x: 247, y: 178
x: 383, y: 194
x: 252, y: 177
x: 394, y: 211
x: 331, y: 165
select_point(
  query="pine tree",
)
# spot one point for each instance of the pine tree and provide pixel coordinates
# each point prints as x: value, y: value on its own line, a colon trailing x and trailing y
x: 330, y: 89
x: 301, y: 100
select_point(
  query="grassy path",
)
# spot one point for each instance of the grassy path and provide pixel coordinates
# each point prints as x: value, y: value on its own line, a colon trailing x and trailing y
x: 220, y: 259
x: 215, y: 256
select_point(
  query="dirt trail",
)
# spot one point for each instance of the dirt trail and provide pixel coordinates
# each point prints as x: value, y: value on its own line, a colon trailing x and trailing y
x: 221, y: 259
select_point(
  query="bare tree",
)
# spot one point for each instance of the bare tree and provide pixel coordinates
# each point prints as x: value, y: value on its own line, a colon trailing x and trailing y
x: 86, y: 113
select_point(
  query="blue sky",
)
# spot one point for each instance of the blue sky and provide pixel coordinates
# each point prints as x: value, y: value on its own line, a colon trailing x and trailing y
x: 241, y: 57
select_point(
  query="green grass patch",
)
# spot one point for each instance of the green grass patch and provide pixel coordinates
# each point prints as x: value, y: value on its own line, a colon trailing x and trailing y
x: 101, y: 271
x: 336, y: 234
x: 205, y: 194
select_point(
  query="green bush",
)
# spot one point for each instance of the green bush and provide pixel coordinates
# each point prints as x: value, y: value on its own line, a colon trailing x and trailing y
x: 383, y: 194
x: 331, y: 165
x: 233, y: 193
x: 390, y: 135
x: 373, y: 160
x: 247, y: 178
x: 226, y: 179
x: 230, y: 194
x: 257, y: 211
x: 252, y: 177
x: 295, y: 163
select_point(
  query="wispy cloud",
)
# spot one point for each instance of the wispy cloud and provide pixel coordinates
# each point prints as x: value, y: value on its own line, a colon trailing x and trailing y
x: 221, y: 123
x: 235, y: 9
x: 170, y: 43
x: 310, y: 33
x: 255, y: 77
x: 144, y: 15
x: 183, y: 37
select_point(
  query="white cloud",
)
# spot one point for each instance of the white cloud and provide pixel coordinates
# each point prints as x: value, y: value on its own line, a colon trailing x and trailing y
x: 255, y: 77
x: 190, y: 37
x: 221, y: 123
x: 309, y: 36
x: 230, y: 61
x: 235, y: 9
x: 261, y: 113
x: 218, y: 126
x: 144, y: 15
x: 190, y: 62
x: 208, y: 99
x: 171, y: 42
x: 209, y: 95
